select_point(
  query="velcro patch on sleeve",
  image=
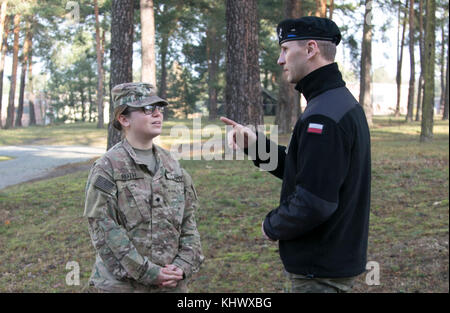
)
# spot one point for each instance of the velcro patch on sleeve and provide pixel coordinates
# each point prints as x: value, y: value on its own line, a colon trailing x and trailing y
x: 315, y: 128
x: 104, y: 184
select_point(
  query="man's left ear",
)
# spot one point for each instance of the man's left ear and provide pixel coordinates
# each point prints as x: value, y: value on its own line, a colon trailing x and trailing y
x: 312, y: 48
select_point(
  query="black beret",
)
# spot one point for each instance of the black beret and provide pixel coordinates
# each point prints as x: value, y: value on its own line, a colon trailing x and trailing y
x: 308, y: 27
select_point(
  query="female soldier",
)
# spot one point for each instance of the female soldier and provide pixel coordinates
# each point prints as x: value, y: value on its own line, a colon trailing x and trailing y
x: 140, y: 204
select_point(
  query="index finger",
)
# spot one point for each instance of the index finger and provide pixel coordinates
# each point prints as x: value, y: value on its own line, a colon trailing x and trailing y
x: 228, y: 121
x: 170, y: 272
x: 167, y: 277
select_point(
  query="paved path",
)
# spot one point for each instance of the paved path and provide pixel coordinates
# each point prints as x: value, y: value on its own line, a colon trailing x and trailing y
x: 32, y: 162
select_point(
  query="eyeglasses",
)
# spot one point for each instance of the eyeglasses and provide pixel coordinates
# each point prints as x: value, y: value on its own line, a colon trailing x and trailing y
x: 148, y: 109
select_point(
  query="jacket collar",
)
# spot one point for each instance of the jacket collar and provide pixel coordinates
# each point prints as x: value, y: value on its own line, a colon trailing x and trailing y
x: 129, y: 149
x: 163, y: 165
x: 322, y: 79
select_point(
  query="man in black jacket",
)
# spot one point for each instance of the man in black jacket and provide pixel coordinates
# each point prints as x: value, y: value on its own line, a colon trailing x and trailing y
x: 322, y: 221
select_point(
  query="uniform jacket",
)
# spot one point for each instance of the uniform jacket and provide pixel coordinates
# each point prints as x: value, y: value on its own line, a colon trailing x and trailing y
x: 139, y: 222
x: 322, y: 221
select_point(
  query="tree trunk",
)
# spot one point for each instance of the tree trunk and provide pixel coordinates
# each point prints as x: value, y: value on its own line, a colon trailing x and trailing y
x: 25, y: 54
x: 286, y: 103
x: 331, y: 10
x: 212, y: 55
x: 426, y: 133
x: 288, y: 108
x: 83, y: 104
x: 321, y: 8
x: 412, y: 77
x: 3, y: 10
x: 91, y: 104
x: 445, y: 113
x: 148, y: 71
x: 30, y: 78
x: 243, y: 98
x: 422, y: 62
x: 164, y: 50
x: 98, y: 49
x: 419, y: 97
x: 12, y: 90
x: 365, y: 92
x: 121, y: 54
x: 4, y: 50
x: 442, y: 99
x: 400, y: 47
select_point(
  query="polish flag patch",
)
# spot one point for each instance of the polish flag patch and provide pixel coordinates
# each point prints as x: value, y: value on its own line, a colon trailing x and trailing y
x: 315, y: 128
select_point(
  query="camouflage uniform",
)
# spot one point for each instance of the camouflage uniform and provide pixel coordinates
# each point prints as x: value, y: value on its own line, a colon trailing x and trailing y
x: 139, y: 222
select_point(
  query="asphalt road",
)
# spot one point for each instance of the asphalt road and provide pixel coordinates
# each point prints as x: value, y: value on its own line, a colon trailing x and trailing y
x: 30, y: 162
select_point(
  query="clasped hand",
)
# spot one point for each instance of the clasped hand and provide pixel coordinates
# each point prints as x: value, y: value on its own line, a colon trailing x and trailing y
x: 169, y: 276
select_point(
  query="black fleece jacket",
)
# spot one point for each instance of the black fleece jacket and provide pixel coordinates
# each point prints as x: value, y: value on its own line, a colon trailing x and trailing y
x: 323, y: 218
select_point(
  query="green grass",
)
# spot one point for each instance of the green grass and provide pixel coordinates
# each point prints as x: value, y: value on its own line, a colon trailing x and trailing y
x: 41, y: 224
x: 82, y: 134
x: 87, y: 134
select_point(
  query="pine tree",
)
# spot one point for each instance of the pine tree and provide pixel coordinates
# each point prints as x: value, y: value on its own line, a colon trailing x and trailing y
x: 121, y: 53
x: 243, y: 88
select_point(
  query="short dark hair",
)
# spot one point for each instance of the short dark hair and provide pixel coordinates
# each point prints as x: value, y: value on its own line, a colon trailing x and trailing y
x: 327, y: 48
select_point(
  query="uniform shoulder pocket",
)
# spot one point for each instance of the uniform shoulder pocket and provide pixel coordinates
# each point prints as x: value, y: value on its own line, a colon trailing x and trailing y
x: 104, y: 184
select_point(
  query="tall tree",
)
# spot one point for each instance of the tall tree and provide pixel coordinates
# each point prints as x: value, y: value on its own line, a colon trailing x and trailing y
x: 445, y: 42
x: 442, y: 64
x: 331, y: 9
x: 98, y: 49
x: 400, y: 46
x: 214, y: 50
x: 148, y: 70
x: 288, y: 97
x: 422, y: 62
x: 25, y: 56
x: 122, y: 13
x: 3, y: 52
x: 426, y: 133
x: 12, y: 91
x: 365, y: 91
x: 3, y: 9
x: 243, y: 88
x: 321, y: 8
x: 30, y: 76
x: 412, y: 78
x: 213, y: 57
x: 167, y: 20
x: 164, y: 47
x: 446, y: 92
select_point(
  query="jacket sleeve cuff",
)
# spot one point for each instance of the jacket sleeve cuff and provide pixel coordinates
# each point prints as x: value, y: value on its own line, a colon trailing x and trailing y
x: 185, y: 266
x: 150, y: 276
x: 267, y: 229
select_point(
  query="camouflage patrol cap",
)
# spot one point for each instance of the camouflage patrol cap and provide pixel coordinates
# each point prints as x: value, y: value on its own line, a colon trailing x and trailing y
x: 134, y: 95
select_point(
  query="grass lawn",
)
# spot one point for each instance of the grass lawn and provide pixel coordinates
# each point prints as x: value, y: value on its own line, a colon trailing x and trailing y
x: 42, y: 229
